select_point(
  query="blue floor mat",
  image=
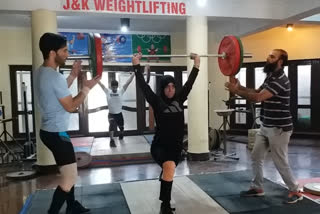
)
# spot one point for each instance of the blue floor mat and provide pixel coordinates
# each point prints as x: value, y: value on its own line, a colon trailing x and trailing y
x: 101, y: 199
x: 225, y: 188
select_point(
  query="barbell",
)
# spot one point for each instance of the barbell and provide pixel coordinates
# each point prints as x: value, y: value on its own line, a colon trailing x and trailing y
x: 230, y: 55
x: 147, y: 72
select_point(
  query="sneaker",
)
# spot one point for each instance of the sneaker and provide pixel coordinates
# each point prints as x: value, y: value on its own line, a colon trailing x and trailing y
x: 294, y: 197
x: 121, y: 136
x: 252, y: 193
x: 166, y: 209
x: 76, y: 208
x: 112, y: 143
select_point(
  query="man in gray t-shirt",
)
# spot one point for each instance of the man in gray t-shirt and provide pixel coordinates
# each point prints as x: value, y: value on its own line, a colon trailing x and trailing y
x: 56, y: 103
x: 50, y: 85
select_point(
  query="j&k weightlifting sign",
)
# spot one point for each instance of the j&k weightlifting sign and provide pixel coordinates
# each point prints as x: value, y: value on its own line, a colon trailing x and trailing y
x: 146, y: 7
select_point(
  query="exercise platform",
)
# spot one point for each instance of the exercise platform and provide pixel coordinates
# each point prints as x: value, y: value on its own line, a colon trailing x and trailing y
x: 130, y: 150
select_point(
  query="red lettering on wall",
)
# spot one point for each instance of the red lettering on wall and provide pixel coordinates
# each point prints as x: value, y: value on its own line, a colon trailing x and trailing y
x: 130, y: 6
x: 85, y: 5
x: 174, y: 7
x: 67, y: 6
x: 163, y: 5
x: 155, y: 6
x: 122, y: 6
x: 115, y: 5
x: 99, y: 4
x: 138, y: 6
x: 150, y: 7
x: 109, y: 5
x: 144, y: 10
x: 182, y: 8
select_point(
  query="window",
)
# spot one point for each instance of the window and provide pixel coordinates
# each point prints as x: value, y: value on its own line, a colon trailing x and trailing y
x: 98, y: 120
x: 304, y: 96
x: 259, y: 77
x: 20, y: 75
x: 304, y: 84
x: 185, y: 104
x: 128, y: 101
x: 153, y: 86
x: 24, y: 88
x: 74, y: 117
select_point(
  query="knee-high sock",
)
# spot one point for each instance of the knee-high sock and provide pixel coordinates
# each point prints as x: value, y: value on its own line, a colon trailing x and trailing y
x: 70, y: 197
x: 121, y: 130
x: 165, y: 191
x: 59, y: 197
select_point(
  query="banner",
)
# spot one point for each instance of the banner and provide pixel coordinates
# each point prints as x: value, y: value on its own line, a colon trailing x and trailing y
x: 122, y: 44
x: 151, y: 7
x: 77, y: 43
x: 116, y: 44
x: 152, y: 45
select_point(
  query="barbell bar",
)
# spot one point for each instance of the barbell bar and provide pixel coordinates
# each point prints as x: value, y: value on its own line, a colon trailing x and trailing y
x: 147, y: 72
x: 121, y: 72
x: 230, y: 55
x: 155, y: 56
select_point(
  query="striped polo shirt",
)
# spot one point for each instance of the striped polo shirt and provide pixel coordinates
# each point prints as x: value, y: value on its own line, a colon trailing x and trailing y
x: 275, y: 111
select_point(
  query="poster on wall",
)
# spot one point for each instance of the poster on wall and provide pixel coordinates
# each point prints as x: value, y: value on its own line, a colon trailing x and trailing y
x: 116, y: 44
x: 152, y: 45
x: 77, y: 43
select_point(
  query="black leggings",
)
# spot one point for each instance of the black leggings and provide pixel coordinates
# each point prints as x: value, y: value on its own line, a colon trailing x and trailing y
x: 162, y: 153
x: 115, y: 120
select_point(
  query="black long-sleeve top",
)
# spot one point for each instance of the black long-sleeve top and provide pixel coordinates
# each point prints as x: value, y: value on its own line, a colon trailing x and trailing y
x: 169, y: 115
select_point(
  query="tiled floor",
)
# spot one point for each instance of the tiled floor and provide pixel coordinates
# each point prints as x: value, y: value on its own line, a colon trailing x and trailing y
x: 132, y: 144
x: 303, y: 156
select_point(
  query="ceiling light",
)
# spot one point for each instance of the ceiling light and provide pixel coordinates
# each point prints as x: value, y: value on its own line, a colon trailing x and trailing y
x: 125, y: 24
x: 202, y: 3
x: 289, y: 27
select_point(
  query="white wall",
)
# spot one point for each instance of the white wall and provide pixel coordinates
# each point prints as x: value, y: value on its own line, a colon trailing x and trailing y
x: 15, y: 50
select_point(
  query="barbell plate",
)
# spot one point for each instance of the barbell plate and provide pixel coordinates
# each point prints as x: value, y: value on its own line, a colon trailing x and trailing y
x: 93, y: 57
x: 83, y: 159
x: 241, y: 53
x: 313, y: 188
x: 229, y: 65
x: 98, y: 49
x: 24, y: 174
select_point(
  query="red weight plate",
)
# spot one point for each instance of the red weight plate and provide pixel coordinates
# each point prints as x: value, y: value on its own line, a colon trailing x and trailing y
x: 98, y: 45
x: 230, y: 65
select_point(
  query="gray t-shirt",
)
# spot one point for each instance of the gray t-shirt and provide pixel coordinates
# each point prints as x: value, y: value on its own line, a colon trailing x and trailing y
x: 50, y: 87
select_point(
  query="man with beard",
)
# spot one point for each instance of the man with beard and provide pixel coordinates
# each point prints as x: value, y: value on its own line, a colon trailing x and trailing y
x: 276, y: 127
x: 55, y: 104
x: 166, y: 146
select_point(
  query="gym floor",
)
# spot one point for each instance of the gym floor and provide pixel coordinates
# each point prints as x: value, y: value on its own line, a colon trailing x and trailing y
x: 303, y: 156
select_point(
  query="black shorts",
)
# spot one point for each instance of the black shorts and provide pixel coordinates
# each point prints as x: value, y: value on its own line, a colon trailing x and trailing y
x: 117, y: 118
x: 162, y: 153
x: 60, y: 145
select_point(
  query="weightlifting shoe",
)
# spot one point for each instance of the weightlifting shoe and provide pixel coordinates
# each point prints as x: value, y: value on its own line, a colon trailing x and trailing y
x: 76, y: 208
x: 112, y: 143
x: 166, y: 209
